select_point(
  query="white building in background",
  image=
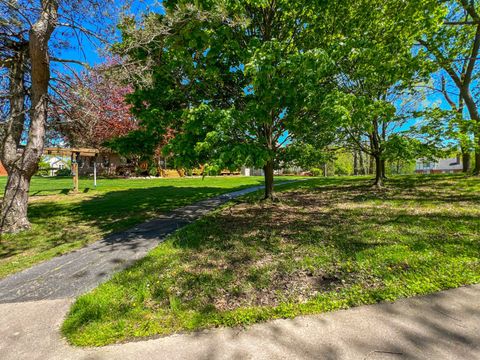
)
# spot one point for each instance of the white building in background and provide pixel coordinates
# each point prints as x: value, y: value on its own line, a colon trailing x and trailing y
x: 439, y: 166
x: 246, y: 171
x: 56, y: 163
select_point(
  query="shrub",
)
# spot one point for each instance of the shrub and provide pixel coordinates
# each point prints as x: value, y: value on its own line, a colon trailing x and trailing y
x: 316, y: 172
x: 64, y: 172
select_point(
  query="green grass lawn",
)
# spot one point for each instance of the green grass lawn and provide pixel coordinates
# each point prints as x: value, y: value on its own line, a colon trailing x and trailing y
x: 327, y: 244
x: 62, y: 222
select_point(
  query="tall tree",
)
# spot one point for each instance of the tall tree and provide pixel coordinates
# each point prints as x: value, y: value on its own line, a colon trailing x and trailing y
x: 28, y: 46
x: 235, y: 80
x: 447, y: 126
x: 455, y: 49
x: 377, y: 67
x: 26, y: 52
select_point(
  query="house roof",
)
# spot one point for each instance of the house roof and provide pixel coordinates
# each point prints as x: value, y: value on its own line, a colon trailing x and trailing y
x: 57, y: 161
x: 449, y: 164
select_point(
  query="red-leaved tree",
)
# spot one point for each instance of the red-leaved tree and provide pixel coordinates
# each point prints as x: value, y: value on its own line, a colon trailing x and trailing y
x: 92, y: 109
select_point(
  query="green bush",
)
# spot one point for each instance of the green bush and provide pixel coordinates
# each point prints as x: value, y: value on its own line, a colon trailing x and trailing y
x: 316, y: 172
x: 153, y: 171
x: 42, y: 172
x: 64, y: 172
x: 43, y: 168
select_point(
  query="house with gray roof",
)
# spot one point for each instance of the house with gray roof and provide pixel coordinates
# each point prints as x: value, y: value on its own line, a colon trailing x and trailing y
x: 438, y: 166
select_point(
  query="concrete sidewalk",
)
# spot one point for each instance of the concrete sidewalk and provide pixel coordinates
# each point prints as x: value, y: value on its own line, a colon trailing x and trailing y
x: 445, y: 325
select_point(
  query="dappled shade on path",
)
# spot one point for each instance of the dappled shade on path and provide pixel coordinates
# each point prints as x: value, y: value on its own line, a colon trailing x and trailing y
x: 62, y: 223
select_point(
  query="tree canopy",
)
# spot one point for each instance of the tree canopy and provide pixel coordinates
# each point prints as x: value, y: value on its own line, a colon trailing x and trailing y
x: 92, y: 109
x: 239, y: 80
x: 451, y: 54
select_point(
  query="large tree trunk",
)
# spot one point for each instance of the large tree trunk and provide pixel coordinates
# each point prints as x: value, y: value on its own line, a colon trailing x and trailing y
x: 268, y: 173
x: 377, y: 154
x: 20, y: 163
x: 379, y: 177
x: 466, y: 158
x: 464, y: 79
x: 476, y: 169
x: 475, y: 116
x: 269, y: 165
x: 371, y: 165
x: 13, y: 211
x: 361, y: 163
x: 14, y: 205
x: 384, y: 173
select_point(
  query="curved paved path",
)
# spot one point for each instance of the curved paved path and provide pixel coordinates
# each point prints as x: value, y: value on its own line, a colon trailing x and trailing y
x: 77, y: 272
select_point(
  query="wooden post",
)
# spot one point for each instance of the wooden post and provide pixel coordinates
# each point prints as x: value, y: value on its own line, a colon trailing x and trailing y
x: 75, y: 172
x: 95, y: 171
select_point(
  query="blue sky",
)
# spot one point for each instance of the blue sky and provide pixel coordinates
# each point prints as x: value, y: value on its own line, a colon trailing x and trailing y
x: 90, y: 51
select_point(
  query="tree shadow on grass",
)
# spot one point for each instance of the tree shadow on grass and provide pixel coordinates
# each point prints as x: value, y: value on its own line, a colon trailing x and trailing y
x: 244, y: 255
x: 239, y: 265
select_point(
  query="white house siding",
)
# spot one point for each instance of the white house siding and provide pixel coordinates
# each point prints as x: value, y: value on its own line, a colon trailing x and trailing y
x: 251, y: 172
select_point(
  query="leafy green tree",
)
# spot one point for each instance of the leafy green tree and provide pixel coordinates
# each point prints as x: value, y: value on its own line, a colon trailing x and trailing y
x: 454, y: 49
x: 34, y: 35
x: 235, y: 80
x: 306, y: 156
x: 378, y: 67
x: 343, y: 163
x: 443, y: 130
x: 459, y: 127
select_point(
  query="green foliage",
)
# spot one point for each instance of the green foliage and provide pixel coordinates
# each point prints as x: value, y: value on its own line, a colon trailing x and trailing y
x: 43, y: 168
x: 450, y: 55
x: 63, y: 172
x: 305, y: 155
x: 139, y: 144
x: 378, y: 67
x: 401, y: 167
x: 230, y: 78
x: 343, y: 164
x: 443, y: 130
x: 316, y: 172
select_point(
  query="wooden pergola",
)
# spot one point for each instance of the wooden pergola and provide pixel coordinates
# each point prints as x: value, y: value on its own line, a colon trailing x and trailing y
x: 75, y: 154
